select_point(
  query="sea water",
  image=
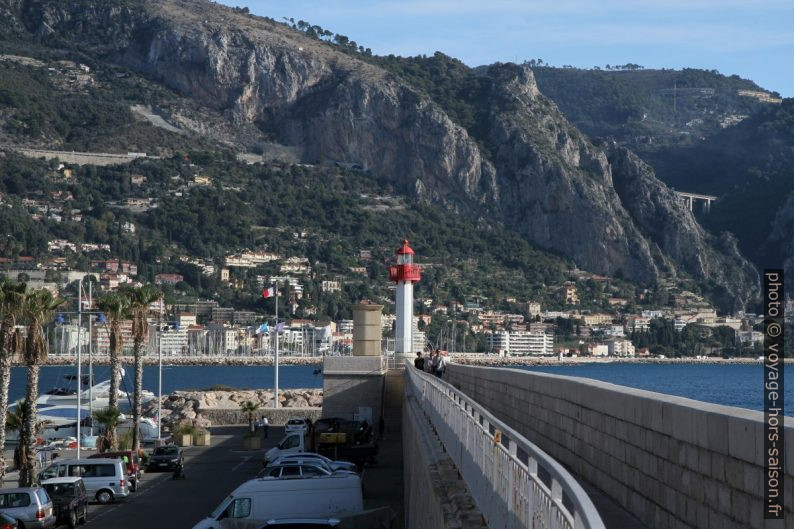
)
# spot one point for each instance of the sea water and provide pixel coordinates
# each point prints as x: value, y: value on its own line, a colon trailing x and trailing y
x: 731, y: 385
x: 177, y: 378
x: 739, y: 385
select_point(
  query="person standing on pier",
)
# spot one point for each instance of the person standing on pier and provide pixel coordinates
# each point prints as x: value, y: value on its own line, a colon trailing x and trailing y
x: 419, y: 362
x: 441, y: 364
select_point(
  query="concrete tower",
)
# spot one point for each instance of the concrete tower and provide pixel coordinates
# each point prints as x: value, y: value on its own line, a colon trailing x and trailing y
x: 405, y: 273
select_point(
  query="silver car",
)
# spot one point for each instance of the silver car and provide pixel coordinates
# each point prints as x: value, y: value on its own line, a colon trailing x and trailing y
x: 309, y: 456
x: 296, y: 469
x: 30, y: 505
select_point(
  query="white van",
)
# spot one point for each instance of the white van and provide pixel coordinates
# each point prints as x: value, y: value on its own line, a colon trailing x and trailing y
x: 104, y: 479
x: 256, y: 501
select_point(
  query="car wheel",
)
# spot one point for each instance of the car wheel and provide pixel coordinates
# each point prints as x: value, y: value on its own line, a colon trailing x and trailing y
x: 104, y: 496
x: 84, y: 519
x: 72, y: 519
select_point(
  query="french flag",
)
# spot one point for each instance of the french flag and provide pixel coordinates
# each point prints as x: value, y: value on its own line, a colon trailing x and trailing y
x: 269, y: 292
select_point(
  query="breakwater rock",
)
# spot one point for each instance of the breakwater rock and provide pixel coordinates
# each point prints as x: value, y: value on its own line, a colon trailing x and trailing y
x: 209, y: 407
x: 500, y: 361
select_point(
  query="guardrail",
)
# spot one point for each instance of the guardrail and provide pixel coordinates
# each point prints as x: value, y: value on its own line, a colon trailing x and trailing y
x: 515, y: 483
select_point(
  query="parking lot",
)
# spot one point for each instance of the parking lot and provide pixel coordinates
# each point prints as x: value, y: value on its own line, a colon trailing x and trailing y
x: 162, y: 503
x: 213, y: 472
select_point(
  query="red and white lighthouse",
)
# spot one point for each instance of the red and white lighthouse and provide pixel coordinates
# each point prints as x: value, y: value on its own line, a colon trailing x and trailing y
x: 405, y: 273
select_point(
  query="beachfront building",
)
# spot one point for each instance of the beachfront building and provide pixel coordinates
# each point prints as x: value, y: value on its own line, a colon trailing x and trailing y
x: 619, y: 347
x: 521, y: 343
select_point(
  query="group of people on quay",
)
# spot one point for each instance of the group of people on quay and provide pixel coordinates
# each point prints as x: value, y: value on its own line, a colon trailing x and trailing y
x: 436, y: 364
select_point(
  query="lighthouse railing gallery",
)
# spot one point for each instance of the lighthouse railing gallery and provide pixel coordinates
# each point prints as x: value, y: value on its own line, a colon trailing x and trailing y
x: 514, y: 483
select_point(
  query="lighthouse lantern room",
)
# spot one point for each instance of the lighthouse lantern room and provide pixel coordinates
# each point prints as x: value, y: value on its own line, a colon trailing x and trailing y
x: 405, y: 273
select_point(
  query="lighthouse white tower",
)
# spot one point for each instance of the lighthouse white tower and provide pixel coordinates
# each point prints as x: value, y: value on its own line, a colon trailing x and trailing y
x: 405, y: 273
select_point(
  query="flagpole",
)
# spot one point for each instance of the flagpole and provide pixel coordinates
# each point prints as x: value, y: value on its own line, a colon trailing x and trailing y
x: 79, y: 359
x: 275, y: 382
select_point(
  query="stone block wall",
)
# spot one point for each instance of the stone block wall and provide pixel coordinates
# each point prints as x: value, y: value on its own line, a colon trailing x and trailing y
x: 674, y: 463
x: 275, y: 417
x: 350, y: 382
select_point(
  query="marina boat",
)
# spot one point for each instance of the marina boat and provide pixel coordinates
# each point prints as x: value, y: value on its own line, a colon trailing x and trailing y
x: 57, y: 409
x: 98, y: 394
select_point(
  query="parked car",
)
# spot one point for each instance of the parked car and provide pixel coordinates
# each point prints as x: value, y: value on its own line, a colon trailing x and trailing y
x: 31, y: 506
x: 6, y: 522
x: 167, y: 457
x: 332, y: 464
x: 104, y: 479
x: 131, y: 461
x: 257, y: 501
x: 295, y: 470
x: 308, y: 461
x: 301, y: 523
x: 69, y: 499
x: 296, y: 425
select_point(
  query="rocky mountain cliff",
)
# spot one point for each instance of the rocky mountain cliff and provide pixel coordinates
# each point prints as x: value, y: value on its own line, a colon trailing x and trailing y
x: 531, y: 170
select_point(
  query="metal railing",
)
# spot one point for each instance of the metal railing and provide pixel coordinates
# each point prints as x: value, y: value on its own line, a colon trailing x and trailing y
x: 514, y: 483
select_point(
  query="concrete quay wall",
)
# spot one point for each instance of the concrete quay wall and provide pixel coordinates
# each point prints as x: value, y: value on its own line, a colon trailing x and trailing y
x: 672, y: 462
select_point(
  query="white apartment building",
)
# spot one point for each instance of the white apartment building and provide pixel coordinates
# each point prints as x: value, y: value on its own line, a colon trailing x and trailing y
x: 617, y: 347
x: 521, y: 343
x: 174, y: 340
x: 186, y: 319
x: 331, y: 286
x: 102, y: 337
x: 294, y: 285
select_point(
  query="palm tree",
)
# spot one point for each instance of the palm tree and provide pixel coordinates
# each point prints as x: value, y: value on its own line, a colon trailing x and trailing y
x: 14, y: 419
x: 39, y: 307
x: 13, y: 423
x: 109, y: 418
x: 11, y: 298
x: 250, y: 408
x: 116, y: 309
x: 139, y: 300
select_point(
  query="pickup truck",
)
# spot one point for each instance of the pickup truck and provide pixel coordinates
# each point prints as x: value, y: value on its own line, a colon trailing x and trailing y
x: 334, y: 438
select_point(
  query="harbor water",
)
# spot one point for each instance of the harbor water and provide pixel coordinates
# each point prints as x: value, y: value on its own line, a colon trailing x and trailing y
x: 730, y: 385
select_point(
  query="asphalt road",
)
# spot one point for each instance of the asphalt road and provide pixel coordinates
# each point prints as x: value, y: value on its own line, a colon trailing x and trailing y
x: 211, y: 474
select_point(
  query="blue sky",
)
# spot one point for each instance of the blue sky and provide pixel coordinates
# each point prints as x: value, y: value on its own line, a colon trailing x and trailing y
x: 751, y: 38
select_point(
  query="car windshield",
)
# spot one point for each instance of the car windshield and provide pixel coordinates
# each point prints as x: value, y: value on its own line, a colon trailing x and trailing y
x: 60, y: 489
x: 295, y: 422
x: 166, y: 451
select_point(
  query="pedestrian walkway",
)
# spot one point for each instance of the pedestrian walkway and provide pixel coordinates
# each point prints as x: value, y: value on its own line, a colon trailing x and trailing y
x: 383, y: 484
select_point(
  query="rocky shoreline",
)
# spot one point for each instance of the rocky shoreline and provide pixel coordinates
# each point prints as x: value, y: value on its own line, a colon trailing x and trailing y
x: 204, y: 408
